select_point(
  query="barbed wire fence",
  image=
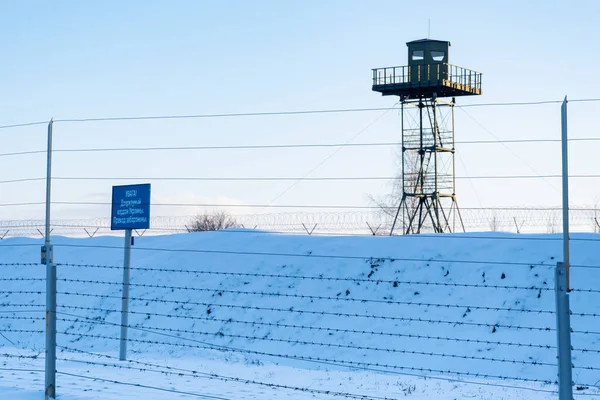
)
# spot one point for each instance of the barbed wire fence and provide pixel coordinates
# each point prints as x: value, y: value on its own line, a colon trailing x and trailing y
x: 513, y: 220
x: 300, y: 325
x: 367, y: 318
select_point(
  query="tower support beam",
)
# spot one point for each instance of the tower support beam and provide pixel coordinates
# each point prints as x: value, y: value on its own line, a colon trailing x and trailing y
x: 428, y: 202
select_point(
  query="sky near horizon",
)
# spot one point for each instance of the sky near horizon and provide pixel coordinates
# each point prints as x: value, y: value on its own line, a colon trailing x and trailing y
x: 75, y: 59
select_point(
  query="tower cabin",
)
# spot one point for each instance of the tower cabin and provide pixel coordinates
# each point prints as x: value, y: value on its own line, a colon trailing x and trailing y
x: 428, y: 74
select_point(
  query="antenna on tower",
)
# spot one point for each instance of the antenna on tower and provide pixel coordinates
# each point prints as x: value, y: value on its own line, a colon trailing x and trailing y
x: 429, y: 28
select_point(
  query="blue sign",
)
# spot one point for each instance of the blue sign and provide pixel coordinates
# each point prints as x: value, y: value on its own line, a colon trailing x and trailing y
x: 130, y: 207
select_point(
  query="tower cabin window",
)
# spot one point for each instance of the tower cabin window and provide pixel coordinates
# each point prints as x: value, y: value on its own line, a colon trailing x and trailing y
x: 418, y: 55
x: 437, y: 55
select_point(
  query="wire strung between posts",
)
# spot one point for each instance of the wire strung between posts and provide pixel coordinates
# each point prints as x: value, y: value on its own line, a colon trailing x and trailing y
x: 298, y: 296
x: 330, y: 345
x: 323, y: 313
x: 585, y: 290
x: 281, y: 178
x: 4, y: 311
x: 208, y: 346
x: 19, y: 180
x: 586, y: 266
x: 21, y: 357
x: 307, y: 255
x: 300, y: 112
x: 22, y: 279
x: 17, y: 264
x: 23, y: 318
x: 23, y: 124
x: 22, y: 370
x: 194, y: 374
x: 22, y: 331
x: 446, y: 379
x: 585, y: 332
x: 272, y: 113
x: 204, y: 396
x: 227, y: 115
x: 303, y: 277
x: 278, y: 146
x: 9, y: 292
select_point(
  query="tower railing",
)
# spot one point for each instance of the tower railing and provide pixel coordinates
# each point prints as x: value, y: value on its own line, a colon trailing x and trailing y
x: 428, y: 75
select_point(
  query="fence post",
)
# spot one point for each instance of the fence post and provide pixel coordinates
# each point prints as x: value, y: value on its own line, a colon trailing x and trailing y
x: 562, y: 281
x: 125, y: 298
x: 565, y: 189
x: 48, y: 260
x: 563, y: 329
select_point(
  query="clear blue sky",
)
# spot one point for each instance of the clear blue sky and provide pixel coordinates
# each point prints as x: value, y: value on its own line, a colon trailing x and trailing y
x: 77, y: 59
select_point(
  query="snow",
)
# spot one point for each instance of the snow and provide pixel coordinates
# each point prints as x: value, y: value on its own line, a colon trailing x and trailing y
x: 400, y: 317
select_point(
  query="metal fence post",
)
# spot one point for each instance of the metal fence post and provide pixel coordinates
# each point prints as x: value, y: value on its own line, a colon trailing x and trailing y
x: 565, y: 189
x: 48, y: 259
x: 125, y: 298
x: 562, y: 281
x: 563, y: 329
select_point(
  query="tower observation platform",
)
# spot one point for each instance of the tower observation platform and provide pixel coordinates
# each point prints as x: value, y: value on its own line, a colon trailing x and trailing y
x: 428, y: 74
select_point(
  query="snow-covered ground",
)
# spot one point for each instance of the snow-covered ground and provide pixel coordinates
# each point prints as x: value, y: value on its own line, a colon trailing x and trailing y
x: 251, y: 315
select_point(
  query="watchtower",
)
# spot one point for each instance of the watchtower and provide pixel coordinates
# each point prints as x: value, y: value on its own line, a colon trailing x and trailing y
x: 428, y: 200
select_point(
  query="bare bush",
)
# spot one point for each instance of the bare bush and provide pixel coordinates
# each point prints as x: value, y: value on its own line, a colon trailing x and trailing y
x: 215, y: 221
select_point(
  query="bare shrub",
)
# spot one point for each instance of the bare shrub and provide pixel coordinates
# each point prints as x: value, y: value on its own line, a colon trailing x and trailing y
x: 214, y: 221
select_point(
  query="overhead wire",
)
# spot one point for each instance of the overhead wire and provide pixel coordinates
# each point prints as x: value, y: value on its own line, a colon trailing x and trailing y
x: 291, y: 112
x: 280, y: 146
x: 23, y: 124
x: 283, y: 178
x: 223, y: 115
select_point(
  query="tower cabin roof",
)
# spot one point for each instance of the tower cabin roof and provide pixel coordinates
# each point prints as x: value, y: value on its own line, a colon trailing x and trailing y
x: 427, y: 40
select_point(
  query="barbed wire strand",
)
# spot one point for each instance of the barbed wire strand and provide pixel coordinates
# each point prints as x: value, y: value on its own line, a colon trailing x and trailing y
x: 22, y: 370
x: 323, y: 313
x: 447, y: 379
x: 20, y: 356
x: 22, y: 311
x: 22, y: 279
x: 23, y: 318
x: 297, y: 255
x: 209, y: 346
x: 139, y: 385
x: 300, y: 296
x: 168, y: 371
x: 302, y: 342
x: 376, y: 281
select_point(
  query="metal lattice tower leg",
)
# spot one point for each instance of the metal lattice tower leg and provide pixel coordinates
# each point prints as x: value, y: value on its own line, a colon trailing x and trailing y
x: 428, y: 202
